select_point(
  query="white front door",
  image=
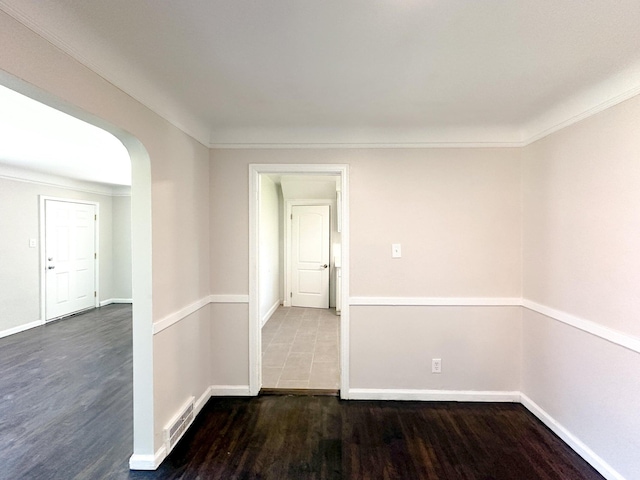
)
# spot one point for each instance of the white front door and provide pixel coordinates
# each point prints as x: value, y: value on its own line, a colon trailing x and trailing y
x: 310, y: 256
x: 70, y: 264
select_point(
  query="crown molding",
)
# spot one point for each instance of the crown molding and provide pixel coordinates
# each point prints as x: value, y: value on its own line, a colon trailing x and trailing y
x: 189, y: 126
x: 586, y: 103
x: 9, y: 172
x: 328, y: 145
x: 494, y: 136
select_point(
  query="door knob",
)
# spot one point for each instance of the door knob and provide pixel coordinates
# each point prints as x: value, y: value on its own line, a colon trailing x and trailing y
x: 325, y: 265
x: 51, y: 267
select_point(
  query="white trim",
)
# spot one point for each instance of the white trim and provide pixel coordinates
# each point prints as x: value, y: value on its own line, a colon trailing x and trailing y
x: 433, y: 395
x: 437, y: 301
x: 345, y: 315
x: 21, y: 328
x: 614, y: 336
x: 16, y: 174
x: 271, y: 311
x: 201, y: 401
x: 384, y: 145
x: 230, y: 391
x: 181, y: 314
x: 148, y: 462
x: 109, y: 301
x: 229, y: 298
x: 571, y: 440
x: 559, y: 121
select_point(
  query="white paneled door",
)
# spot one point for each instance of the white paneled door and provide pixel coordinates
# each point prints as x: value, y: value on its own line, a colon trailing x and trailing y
x: 70, y: 257
x: 310, y: 256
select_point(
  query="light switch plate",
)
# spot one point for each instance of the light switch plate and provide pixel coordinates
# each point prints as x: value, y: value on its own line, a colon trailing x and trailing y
x: 32, y: 243
x: 396, y: 250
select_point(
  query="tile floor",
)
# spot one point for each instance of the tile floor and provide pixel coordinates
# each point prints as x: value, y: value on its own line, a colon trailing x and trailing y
x: 300, y: 349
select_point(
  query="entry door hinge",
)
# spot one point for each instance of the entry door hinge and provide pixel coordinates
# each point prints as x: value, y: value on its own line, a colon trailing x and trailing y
x: 95, y: 217
x: 292, y: 216
x: 290, y: 294
x: 95, y: 294
x: 95, y: 256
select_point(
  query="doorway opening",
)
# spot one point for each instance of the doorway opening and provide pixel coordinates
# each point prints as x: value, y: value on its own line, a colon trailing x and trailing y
x: 140, y: 242
x: 298, y: 246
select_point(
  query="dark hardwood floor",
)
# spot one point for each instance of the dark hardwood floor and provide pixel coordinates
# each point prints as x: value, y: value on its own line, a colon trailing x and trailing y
x: 66, y: 414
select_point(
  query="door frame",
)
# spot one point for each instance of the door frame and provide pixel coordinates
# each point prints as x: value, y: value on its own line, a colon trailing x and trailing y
x: 288, y: 210
x: 255, y: 330
x: 43, y: 251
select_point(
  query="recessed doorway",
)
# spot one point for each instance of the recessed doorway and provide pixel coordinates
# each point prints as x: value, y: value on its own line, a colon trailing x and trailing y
x: 301, y: 348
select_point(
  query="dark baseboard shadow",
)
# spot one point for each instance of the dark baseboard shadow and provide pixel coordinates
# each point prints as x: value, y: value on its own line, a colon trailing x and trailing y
x: 302, y: 392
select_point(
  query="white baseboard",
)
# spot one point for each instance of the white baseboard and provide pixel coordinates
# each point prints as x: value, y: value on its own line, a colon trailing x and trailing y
x: 109, y: 301
x: 20, y: 328
x: 271, y: 311
x: 200, y: 402
x: 606, y: 470
x: 152, y: 462
x: 433, y: 395
x: 147, y: 462
x: 230, y: 391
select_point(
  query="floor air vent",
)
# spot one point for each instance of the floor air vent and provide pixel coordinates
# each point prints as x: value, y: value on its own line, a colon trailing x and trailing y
x: 175, y: 429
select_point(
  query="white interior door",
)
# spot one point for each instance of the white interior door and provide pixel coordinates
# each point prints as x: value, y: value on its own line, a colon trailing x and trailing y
x: 70, y: 263
x: 310, y: 256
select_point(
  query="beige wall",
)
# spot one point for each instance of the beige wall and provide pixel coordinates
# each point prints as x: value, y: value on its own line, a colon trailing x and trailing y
x: 581, y: 216
x: 456, y: 214
x: 392, y: 348
x: 455, y: 211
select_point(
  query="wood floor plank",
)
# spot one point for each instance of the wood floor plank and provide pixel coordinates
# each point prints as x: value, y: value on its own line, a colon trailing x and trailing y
x: 66, y: 413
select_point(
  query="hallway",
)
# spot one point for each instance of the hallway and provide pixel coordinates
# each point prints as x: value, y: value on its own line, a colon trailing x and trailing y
x: 300, y: 349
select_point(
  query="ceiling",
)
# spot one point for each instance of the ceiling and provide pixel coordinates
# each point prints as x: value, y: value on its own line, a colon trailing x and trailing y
x: 355, y: 72
x: 39, y: 138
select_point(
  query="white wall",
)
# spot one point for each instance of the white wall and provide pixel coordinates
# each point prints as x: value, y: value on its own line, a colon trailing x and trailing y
x: 19, y: 222
x: 122, y: 247
x: 270, y: 232
x: 581, y: 208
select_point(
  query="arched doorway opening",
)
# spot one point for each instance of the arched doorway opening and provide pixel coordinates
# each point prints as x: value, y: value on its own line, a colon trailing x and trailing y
x: 141, y: 267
